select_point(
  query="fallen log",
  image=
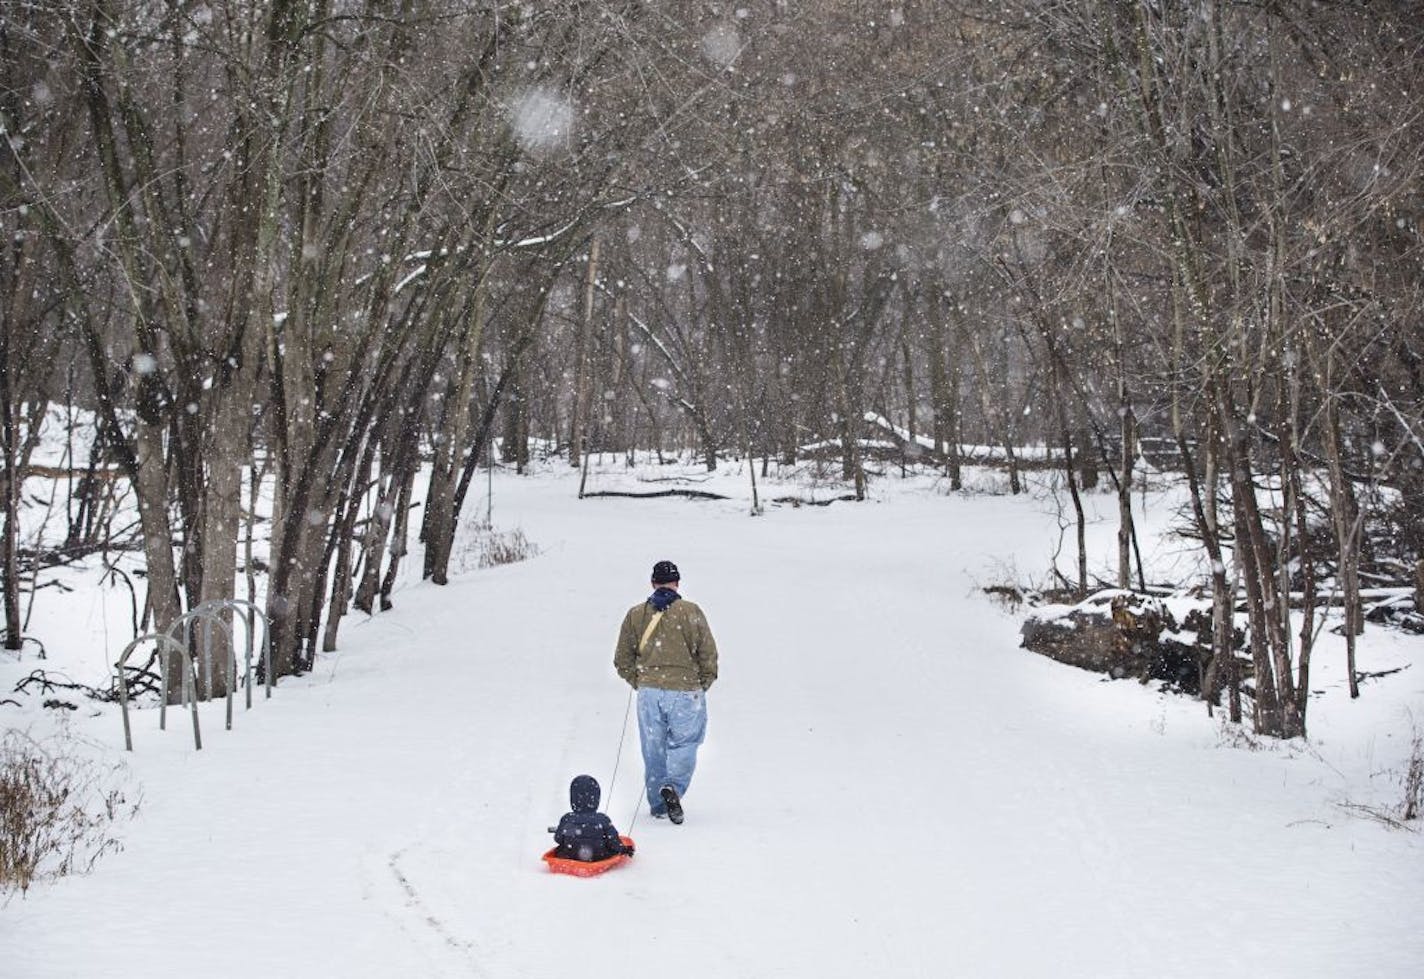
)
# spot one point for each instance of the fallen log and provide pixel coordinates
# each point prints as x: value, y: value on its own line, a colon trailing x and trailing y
x: 689, y: 493
x: 1127, y: 634
x: 798, y: 501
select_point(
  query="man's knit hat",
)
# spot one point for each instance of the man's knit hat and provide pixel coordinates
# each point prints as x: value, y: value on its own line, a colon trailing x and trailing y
x: 665, y: 572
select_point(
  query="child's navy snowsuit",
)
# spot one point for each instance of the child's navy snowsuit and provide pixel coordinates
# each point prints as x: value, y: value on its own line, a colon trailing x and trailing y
x: 587, y: 834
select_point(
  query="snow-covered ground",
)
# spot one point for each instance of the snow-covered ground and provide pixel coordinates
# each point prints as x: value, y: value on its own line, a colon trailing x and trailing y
x: 890, y: 786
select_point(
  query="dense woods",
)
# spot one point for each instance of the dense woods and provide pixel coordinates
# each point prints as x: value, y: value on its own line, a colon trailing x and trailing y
x: 332, y: 248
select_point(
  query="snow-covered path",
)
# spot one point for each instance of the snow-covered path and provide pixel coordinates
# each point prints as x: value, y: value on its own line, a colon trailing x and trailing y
x: 890, y: 787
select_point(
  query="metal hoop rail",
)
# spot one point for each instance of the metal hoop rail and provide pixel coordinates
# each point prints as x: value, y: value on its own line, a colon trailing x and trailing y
x: 173, y: 642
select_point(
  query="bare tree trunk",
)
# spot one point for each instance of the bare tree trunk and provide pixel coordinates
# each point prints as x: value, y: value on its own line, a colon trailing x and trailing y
x: 9, y: 568
x: 940, y: 403
x: 1126, y: 438
x: 993, y: 418
x: 307, y: 590
x: 399, y: 460
x: 1221, y: 670
x: 345, y: 531
x: 1276, y: 712
x: 578, y: 423
x: 151, y: 488
x: 1126, y: 460
x: 516, y: 428
x: 1088, y: 473
x: 1082, y: 522
x: 400, y: 539
x: 373, y: 546
x: 1295, y: 693
x: 945, y: 374
x: 907, y: 366
x: 1070, y: 476
x: 1309, y: 588
x: 12, y: 481
x: 256, y: 477
x: 850, y: 424
x: 451, y: 450
x: 952, y: 429
x: 222, y: 518
x: 1266, y: 709
x: 1345, y: 521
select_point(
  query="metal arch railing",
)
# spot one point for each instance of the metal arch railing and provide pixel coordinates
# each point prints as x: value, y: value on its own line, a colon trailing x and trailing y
x: 167, y: 646
x: 250, y: 613
x: 175, y: 641
x: 210, y: 612
x: 207, y: 614
x: 178, y: 631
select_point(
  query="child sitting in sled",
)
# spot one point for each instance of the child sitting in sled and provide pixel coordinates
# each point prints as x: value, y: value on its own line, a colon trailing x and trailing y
x: 587, y: 834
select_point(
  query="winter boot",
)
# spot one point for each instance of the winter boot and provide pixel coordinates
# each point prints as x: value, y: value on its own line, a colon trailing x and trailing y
x: 674, y: 804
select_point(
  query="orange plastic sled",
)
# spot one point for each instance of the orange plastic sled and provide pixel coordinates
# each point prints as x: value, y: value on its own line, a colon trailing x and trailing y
x: 585, y: 868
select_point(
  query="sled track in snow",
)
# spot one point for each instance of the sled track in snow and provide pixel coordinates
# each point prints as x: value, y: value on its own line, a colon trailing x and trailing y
x: 430, y: 919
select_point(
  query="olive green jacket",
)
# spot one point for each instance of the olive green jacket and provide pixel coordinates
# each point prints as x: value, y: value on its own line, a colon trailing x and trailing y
x: 679, y: 655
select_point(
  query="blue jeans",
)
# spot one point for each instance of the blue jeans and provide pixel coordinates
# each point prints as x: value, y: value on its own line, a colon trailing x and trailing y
x: 671, y: 724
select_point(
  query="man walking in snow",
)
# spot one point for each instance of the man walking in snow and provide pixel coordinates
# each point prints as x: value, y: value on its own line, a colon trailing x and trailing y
x: 666, y: 653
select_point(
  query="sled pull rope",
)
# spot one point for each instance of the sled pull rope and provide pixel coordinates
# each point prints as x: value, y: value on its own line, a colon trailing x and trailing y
x: 643, y: 642
x: 618, y: 758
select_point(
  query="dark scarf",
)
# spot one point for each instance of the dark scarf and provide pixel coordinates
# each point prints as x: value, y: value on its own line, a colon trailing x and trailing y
x: 661, y: 599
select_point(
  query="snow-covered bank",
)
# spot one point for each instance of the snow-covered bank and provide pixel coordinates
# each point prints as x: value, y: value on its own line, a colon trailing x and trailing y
x: 890, y: 786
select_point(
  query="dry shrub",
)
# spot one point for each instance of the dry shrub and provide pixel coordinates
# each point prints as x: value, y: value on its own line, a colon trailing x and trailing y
x: 1414, y: 779
x: 1411, y: 780
x: 57, y: 810
x: 489, y: 548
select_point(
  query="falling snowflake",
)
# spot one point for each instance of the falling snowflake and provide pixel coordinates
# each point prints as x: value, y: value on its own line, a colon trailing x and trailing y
x: 542, y: 120
x: 722, y: 44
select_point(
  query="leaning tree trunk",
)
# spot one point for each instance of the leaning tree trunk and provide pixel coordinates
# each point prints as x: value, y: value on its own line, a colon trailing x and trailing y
x: 344, y: 529
x: 450, y: 449
x: 399, y: 461
x: 12, y: 481
x: 400, y: 539
x: 373, y: 544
